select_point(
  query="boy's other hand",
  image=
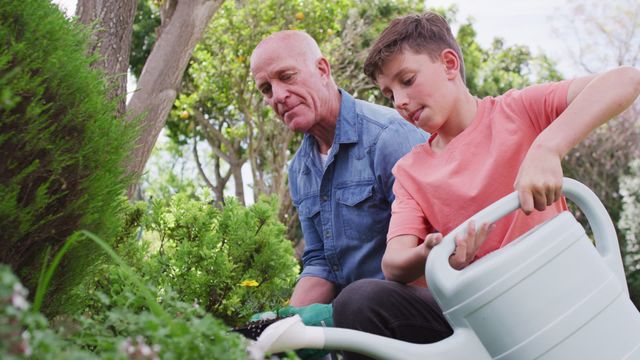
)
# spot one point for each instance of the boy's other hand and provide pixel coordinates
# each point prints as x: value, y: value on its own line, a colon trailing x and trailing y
x: 467, y: 245
x: 539, y: 180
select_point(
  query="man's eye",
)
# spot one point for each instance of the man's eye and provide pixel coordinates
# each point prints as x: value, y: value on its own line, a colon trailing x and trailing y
x: 265, y: 90
x: 286, y: 76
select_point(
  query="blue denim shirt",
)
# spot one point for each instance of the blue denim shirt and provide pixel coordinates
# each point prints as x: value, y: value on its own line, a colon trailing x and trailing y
x: 345, y: 206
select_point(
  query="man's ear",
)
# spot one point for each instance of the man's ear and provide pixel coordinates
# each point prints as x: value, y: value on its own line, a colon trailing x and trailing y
x: 323, y: 66
x: 451, y: 62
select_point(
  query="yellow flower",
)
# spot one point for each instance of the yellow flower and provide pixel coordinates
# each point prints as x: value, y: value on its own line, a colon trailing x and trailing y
x: 247, y: 283
x: 300, y: 16
x: 184, y: 115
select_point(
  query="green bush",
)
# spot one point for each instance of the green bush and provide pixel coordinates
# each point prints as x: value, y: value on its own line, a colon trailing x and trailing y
x: 123, y: 332
x: 62, y: 150
x: 25, y: 334
x: 231, y: 262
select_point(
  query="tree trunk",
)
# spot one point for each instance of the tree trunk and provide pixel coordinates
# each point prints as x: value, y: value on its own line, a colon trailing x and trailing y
x: 236, y: 170
x: 111, y: 39
x: 183, y: 22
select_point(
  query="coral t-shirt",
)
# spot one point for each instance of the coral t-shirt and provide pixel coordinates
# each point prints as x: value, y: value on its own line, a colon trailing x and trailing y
x: 439, y: 191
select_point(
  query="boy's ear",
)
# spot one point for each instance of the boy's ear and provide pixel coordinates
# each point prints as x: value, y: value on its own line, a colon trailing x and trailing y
x: 451, y: 63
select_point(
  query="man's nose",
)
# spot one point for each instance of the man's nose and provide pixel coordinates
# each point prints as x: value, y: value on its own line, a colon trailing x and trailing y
x: 280, y: 94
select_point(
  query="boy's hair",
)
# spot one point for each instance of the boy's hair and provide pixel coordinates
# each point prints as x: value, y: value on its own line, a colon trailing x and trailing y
x: 426, y: 33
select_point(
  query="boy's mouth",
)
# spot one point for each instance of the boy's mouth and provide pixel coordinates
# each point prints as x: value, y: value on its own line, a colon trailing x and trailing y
x: 414, y: 116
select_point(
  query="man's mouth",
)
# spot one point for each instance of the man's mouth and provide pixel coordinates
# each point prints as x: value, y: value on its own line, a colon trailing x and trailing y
x: 288, y: 110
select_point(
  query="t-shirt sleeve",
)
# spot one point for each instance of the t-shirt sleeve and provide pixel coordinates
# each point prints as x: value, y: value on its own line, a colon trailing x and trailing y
x: 407, y: 217
x: 542, y: 104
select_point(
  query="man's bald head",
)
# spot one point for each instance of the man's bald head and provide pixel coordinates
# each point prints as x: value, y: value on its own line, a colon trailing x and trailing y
x: 295, y: 80
x: 297, y: 44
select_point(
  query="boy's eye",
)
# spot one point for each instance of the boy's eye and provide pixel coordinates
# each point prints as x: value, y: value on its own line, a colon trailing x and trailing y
x: 388, y: 95
x: 408, y: 81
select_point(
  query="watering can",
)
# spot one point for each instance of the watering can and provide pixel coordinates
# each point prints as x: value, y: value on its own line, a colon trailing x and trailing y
x: 550, y: 294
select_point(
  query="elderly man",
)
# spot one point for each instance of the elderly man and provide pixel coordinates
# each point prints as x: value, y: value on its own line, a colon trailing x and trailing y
x: 340, y: 178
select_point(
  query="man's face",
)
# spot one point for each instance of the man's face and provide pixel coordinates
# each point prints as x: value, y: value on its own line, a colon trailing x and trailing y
x: 290, y: 82
x: 419, y: 87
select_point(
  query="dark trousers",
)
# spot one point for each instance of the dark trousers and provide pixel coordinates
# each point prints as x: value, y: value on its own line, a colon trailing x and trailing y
x: 392, y: 310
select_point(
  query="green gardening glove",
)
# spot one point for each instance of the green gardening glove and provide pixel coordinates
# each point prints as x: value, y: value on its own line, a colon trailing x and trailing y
x: 312, y: 315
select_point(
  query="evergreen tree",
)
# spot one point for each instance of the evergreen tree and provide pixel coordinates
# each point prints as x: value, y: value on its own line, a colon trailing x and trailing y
x: 61, y: 147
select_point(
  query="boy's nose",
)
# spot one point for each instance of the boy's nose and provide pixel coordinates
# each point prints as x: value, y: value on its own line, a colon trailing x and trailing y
x: 400, y: 101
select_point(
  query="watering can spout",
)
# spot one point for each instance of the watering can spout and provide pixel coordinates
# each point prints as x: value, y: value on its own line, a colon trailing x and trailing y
x: 292, y: 334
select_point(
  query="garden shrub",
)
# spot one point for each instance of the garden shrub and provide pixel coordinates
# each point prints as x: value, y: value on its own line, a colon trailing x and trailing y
x: 123, y: 332
x: 25, y: 334
x: 62, y: 150
x: 231, y: 262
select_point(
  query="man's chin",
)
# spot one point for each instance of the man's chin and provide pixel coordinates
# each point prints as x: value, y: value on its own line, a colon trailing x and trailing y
x: 297, y: 125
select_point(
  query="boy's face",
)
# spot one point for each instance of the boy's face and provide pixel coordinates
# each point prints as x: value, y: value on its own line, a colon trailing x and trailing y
x: 421, y: 88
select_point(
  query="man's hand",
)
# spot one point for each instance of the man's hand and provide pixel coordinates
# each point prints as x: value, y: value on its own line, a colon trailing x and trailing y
x: 312, y: 315
x: 467, y: 245
x: 539, y: 180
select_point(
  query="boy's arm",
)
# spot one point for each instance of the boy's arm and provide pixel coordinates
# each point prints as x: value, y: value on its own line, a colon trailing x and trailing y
x: 592, y: 101
x: 404, y: 259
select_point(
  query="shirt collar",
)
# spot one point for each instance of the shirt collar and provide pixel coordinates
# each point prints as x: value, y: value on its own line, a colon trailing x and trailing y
x: 346, y: 125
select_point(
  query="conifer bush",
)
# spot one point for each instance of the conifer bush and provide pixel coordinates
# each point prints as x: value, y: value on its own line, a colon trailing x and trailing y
x: 61, y: 147
x: 231, y: 262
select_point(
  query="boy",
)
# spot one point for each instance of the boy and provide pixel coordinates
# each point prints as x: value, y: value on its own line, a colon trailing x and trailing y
x: 479, y: 151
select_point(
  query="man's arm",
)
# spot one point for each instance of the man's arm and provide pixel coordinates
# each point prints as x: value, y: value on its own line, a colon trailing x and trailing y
x: 592, y: 101
x: 312, y: 290
x: 389, y: 150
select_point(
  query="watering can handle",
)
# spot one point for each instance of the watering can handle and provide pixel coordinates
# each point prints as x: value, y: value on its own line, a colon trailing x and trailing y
x: 599, y: 220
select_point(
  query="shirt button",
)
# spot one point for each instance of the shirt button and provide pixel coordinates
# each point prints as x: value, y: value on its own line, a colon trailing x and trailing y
x: 335, y: 268
x: 325, y: 198
x: 327, y: 233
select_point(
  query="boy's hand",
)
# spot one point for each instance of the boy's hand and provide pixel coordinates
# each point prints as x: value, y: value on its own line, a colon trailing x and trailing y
x: 467, y: 244
x: 539, y: 180
x: 430, y: 241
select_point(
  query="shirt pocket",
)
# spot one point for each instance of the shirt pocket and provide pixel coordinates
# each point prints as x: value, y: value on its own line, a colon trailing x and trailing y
x: 360, y: 211
x: 355, y: 194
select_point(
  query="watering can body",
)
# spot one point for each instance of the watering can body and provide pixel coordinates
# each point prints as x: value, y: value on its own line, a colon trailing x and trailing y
x: 550, y: 294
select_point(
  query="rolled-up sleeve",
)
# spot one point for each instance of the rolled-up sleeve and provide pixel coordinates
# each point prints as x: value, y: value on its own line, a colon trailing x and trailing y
x: 313, y: 259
